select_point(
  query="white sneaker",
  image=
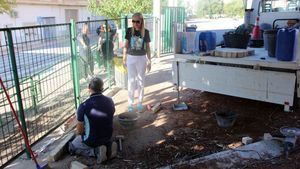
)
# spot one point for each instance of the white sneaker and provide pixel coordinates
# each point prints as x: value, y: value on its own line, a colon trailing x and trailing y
x: 101, y: 154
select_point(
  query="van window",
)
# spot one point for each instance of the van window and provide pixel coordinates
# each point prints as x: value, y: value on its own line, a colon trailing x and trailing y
x: 280, y: 5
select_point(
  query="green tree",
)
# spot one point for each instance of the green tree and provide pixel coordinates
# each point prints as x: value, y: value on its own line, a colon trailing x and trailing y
x: 202, y: 8
x: 216, y: 7
x: 209, y: 8
x: 115, y: 8
x: 164, y: 2
x: 180, y: 3
x: 6, y: 6
x: 234, y: 9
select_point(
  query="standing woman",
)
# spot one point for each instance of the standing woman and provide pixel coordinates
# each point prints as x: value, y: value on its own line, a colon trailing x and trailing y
x: 137, y: 58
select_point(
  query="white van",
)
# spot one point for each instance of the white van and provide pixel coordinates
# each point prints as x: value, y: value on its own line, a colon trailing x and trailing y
x: 273, y: 12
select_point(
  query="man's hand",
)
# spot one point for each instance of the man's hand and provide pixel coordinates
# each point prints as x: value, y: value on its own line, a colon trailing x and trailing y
x: 80, y: 128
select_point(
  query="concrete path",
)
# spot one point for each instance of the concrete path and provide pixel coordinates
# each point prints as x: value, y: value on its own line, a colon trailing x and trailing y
x: 262, y: 150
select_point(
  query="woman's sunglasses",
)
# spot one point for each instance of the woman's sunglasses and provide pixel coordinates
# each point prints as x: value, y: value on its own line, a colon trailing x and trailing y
x: 134, y: 21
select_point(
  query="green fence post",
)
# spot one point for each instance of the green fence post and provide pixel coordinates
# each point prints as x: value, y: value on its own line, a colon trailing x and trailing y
x: 124, y: 26
x: 17, y: 84
x: 108, y: 63
x: 126, y: 23
x: 74, y: 63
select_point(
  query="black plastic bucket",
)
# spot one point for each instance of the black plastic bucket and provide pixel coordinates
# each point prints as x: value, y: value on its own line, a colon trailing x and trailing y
x: 225, y: 119
x: 270, y: 37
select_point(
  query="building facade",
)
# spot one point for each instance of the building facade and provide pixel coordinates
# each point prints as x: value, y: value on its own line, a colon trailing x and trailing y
x: 36, y: 12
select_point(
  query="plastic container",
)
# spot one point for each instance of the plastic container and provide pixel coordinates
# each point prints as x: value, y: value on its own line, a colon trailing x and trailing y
x: 225, y: 119
x: 187, y: 42
x: 264, y: 27
x: 207, y: 41
x: 128, y: 120
x: 183, y: 44
x: 297, y: 47
x: 265, y: 41
x: 270, y: 41
x: 285, y: 44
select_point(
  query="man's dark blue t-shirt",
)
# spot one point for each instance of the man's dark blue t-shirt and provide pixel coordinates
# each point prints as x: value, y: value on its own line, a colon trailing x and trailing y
x: 97, y: 114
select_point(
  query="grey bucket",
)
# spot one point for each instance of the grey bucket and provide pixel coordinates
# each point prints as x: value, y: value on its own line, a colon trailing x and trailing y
x: 128, y: 119
x: 225, y: 119
x: 270, y: 41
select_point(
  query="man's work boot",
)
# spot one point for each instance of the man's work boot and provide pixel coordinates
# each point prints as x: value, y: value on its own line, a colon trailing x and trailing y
x: 101, y: 154
x: 114, y: 148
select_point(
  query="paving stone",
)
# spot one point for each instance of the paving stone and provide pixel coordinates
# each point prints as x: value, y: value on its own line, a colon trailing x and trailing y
x: 78, y: 165
x: 56, y: 153
x: 247, y: 140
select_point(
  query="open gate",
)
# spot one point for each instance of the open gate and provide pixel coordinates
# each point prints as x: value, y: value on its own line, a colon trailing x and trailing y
x: 169, y: 16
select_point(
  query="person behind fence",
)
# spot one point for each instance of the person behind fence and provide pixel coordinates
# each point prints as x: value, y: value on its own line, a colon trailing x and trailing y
x: 106, y: 45
x: 137, y: 59
x: 95, y: 125
x: 99, y: 29
x: 85, y: 51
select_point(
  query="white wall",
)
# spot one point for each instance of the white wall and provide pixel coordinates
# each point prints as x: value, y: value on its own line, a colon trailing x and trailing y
x: 29, y: 13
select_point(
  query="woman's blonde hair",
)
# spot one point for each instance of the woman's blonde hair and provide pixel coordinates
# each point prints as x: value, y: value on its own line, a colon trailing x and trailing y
x: 142, y: 24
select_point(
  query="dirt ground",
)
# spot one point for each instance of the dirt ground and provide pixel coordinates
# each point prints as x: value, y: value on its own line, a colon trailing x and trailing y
x: 167, y: 137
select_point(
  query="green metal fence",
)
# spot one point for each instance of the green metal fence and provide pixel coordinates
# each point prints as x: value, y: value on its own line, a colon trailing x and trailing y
x: 170, y: 15
x: 96, y: 62
x: 43, y: 69
x: 36, y: 69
